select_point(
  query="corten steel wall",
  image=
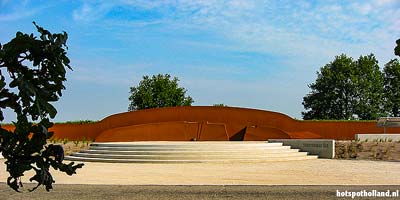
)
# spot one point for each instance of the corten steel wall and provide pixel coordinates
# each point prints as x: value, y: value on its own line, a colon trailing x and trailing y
x: 236, y: 119
x: 210, y: 123
x: 71, y: 131
x: 230, y: 120
x: 164, y: 131
x: 179, y: 131
x: 76, y: 131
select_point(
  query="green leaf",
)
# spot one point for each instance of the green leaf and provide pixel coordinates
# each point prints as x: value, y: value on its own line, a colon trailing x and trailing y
x: 34, y: 85
x: 397, y: 48
x: 51, y: 110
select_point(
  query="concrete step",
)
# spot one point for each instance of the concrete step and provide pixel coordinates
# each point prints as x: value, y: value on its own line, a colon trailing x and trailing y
x: 180, y: 144
x: 189, y: 151
x: 189, y: 156
x: 189, y: 148
x: 175, y: 152
x: 84, y: 159
x: 185, y: 144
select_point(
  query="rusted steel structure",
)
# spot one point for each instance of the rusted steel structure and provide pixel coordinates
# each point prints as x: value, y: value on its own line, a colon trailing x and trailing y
x: 211, y: 123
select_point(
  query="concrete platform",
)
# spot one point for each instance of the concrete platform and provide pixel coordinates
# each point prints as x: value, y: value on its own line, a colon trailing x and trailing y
x: 190, y: 152
x: 324, y: 148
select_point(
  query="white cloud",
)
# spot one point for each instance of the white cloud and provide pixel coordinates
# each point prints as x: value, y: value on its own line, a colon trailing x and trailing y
x: 23, y: 10
x: 308, y: 35
x: 384, y: 2
x: 295, y: 29
x: 89, y: 12
x: 363, y: 9
x: 82, y: 13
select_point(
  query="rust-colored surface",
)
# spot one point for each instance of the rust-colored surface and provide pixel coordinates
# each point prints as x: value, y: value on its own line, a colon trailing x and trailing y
x: 76, y: 131
x: 213, y: 132
x: 163, y: 131
x: 70, y: 131
x: 8, y: 127
x: 258, y: 133
x: 303, y: 135
x: 210, y: 123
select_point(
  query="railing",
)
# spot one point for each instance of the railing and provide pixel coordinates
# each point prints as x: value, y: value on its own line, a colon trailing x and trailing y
x: 388, y: 122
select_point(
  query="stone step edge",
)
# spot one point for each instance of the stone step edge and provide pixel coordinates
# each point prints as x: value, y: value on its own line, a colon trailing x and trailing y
x: 269, y: 151
x: 187, y: 148
x: 188, y: 142
x: 186, y: 145
x: 116, y: 156
x: 71, y: 158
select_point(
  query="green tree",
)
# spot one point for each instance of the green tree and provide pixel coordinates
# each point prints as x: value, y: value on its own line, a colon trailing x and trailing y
x: 158, y: 91
x: 36, y: 69
x: 397, y: 48
x: 331, y: 95
x: 392, y: 87
x: 346, y: 88
x: 369, y: 93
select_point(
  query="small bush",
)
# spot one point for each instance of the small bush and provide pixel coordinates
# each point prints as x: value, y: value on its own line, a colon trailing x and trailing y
x: 65, y: 141
x: 76, y: 142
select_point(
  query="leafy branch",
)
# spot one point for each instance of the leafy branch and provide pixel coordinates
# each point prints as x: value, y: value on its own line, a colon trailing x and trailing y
x: 36, y: 68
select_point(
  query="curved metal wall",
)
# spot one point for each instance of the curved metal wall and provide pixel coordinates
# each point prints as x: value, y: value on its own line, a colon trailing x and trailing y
x: 210, y: 123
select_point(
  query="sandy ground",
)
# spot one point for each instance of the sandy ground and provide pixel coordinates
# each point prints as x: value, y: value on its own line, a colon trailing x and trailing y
x: 308, y: 172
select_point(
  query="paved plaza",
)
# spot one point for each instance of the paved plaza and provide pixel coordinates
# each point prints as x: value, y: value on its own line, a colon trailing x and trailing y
x: 308, y: 179
x: 307, y: 172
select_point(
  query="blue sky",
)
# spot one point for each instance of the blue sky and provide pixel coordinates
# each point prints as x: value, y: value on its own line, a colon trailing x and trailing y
x: 247, y: 53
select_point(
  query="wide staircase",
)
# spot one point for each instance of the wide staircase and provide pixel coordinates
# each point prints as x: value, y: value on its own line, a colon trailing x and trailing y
x: 188, y: 152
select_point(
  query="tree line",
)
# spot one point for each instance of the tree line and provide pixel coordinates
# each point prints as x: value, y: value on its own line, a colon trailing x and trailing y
x: 355, y: 89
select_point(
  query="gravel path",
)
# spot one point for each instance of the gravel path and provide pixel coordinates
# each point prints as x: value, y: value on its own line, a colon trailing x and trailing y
x: 109, y: 192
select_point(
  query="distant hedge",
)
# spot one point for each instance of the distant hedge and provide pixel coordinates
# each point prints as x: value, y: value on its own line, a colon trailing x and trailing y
x: 67, y: 122
x: 78, y: 122
x: 328, y: 120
